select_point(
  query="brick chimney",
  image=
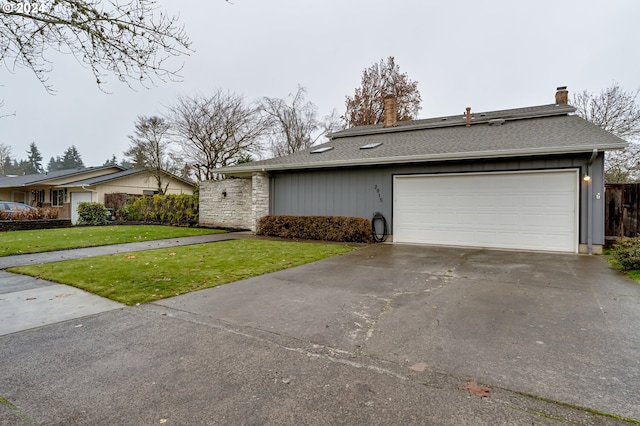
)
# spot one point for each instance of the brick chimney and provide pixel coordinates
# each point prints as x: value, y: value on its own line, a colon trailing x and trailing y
x: 562, y: 95
x: 390, y: 111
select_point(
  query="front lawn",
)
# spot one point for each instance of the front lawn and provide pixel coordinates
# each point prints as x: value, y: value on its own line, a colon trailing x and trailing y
x: 41, y: 240
x: 156, y: 274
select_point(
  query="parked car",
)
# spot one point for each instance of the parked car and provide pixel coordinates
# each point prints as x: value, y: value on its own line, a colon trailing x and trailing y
x: 11, y: 206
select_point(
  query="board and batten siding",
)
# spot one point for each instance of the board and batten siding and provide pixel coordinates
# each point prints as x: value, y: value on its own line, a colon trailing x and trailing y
x: 359, y: 192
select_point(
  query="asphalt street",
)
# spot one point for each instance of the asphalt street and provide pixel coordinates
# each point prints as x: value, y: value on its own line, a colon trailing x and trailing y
x: 387, y: 334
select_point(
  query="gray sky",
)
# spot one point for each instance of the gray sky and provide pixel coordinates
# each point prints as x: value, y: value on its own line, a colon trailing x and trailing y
x: 489, y: 55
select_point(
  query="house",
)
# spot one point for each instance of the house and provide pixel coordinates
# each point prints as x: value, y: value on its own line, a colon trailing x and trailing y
x: 64, y: 189
x: 528, y: 178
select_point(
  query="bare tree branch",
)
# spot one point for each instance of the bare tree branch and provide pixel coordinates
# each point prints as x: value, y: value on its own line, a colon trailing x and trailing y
x: 379, y: 80
x: 216, y: 131
x: 130, y: 39
x: 615, y: 110
x: 149, y: 149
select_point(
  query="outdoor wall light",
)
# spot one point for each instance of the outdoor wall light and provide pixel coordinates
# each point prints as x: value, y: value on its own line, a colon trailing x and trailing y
x: 586, y: 178
x: 224, y: 194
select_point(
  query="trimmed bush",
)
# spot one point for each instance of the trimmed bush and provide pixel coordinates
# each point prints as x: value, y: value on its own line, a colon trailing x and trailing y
x: 37, y: 214
x: 92, y: 214
x: 172, y: 209
x: 626, y: 251
x: 327, y: 228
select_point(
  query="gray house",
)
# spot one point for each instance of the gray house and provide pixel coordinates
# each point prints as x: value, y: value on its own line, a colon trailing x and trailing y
x: 528, y: 178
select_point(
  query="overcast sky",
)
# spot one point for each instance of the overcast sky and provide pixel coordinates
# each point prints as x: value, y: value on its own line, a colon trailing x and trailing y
x: 489, y: 55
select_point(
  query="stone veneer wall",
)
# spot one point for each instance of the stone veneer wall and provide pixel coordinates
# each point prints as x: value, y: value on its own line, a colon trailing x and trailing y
x: 260, y: 198
x: 232, y: 211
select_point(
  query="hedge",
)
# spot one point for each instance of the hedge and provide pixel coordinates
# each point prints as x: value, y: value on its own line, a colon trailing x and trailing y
x: 32, y: 214
x: 327, y: 228
x: 171, y: 209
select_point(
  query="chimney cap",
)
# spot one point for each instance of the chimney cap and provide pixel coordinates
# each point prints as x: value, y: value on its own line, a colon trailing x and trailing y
x: 562, y: 88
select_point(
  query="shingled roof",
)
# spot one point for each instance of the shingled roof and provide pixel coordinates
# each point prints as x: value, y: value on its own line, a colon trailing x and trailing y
x: 44, y: 178
x: 97, y: 180
x: 540, y: 130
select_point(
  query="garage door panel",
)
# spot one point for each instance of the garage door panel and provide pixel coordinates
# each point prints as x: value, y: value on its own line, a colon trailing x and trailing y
x: 531, y: 210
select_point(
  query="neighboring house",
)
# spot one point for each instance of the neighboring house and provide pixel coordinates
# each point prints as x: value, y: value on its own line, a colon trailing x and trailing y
x: 528, y: 178
x: 64, y: 189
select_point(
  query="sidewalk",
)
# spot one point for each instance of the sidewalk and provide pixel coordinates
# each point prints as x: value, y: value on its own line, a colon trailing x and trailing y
x: 56, y: 256
x: 28, y: 302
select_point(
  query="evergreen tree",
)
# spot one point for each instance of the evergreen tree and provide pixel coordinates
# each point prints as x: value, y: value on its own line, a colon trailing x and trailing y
x: 112, y: 162
x: 8, y: 166
x: 54, y: 164
x: 71, y: 159
x: 33, y: 163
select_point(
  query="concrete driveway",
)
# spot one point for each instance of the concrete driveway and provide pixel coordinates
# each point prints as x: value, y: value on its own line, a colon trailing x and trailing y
x: 388, y: 334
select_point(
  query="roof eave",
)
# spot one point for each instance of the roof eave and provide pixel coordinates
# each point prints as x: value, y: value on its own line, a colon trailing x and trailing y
x: 247, y: 171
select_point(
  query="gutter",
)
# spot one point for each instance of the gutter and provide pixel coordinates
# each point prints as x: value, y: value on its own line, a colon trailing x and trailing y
x: 92, y: 190
x: 417, y: 158
x: 594, y: 154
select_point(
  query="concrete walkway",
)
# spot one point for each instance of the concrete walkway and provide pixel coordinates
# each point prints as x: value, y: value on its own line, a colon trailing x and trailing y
x: 27, y: 302
x: 56, y: 256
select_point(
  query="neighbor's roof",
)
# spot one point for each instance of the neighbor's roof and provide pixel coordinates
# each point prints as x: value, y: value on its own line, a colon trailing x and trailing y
x: 541, y: 130
x: 41, y: 178
x: 97, y: 180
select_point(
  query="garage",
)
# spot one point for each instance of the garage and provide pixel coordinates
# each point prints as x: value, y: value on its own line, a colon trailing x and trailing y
x: 535, y: 210
x: 77, y: 198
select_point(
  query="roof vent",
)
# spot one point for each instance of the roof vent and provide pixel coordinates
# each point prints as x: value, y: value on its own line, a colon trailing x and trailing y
x: 496, y: 122
x: 321, y: 150
x: 371, y: 145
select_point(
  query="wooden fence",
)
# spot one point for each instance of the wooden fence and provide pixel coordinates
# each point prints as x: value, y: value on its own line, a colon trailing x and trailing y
x: 621, y: 210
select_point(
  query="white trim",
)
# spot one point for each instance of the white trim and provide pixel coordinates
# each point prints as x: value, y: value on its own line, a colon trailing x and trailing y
x: 423, y: 158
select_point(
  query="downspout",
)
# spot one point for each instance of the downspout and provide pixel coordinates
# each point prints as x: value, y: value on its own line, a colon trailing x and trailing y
x: 594, y: 154
x: 92, y: 190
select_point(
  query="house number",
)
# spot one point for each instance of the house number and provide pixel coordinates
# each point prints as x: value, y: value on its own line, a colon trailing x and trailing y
x: 378, y: 191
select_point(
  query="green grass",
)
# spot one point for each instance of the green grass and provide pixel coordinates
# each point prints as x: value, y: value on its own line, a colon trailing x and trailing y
x: 41, y: 240
x: 633, y: 274
x: 156, y: 274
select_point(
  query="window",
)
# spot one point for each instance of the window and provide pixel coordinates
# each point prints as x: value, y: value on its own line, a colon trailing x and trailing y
x: 57, y: 197
x: 321, y: 150
x: 371, y: 145
x: 38, y: 196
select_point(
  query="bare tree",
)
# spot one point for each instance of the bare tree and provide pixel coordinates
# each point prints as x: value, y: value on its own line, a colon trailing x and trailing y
x: 293, y: 123
x: 378, y: 81
x: 149, y: 148
x: 216, y: 131
x: 615, y: 110
x: 5, y: 154
x: 130, y: 39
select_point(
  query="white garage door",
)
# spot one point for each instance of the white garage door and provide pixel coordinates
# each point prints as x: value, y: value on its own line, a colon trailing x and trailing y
x: 530, y: 210
x: 78, y: 197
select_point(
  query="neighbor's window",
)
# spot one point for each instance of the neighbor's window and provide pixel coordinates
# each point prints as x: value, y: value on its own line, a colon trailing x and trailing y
x: 57, y: 197
x: 38, y: 195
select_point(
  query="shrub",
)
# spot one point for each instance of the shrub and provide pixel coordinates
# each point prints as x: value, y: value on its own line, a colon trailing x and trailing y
x: 117, y: 200
x: 172, y: 209
x: 92, y: 214
x: 37, y: 214
x: 327, y: 228
x: 626, y: 251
